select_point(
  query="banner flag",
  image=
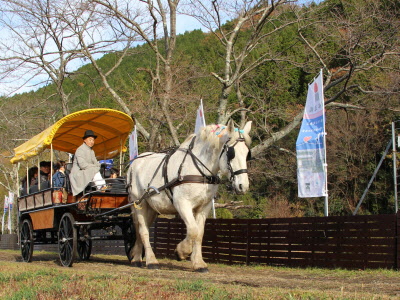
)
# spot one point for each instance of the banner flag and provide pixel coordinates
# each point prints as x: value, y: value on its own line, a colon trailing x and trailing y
x: 9, y: 217
x: 133, y: 145
x: 2, y: 223
x: 4, y: 213
x: 11, y: 197
x: 10, y: 202
x: 310, y: 144
x: 200, y: 120
x: 5, y: 204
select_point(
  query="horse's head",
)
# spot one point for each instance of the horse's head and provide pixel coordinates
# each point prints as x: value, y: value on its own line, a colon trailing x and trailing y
x: 234, y: 154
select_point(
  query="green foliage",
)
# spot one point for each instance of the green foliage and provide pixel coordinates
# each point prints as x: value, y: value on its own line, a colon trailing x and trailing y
x: 223, y: 213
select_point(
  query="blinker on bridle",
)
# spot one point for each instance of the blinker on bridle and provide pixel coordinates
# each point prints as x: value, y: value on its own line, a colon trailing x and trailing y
x: 230, y: 155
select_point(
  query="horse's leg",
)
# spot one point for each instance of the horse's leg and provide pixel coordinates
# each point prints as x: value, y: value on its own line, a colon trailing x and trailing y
x: 195, y: 231
x: 138, y: 247
x: 145, y: 217
x: 185, y: 247
x: 197, y: 257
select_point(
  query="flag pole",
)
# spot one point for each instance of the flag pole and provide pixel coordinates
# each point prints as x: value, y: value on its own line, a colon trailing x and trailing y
x: 326, y: 204
x: 9, y: 217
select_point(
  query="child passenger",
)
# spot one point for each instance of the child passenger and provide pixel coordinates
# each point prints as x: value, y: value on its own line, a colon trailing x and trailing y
x: 59, y: 176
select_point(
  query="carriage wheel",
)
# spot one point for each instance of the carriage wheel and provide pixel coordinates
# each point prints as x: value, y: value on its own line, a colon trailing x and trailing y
x: 84, y: 247
x: 67, y: 240
x: 129, y: 238
x: 26, y: 239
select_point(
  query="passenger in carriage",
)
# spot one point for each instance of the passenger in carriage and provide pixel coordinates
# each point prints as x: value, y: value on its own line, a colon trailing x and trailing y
x: 44, y: 170
x: 85, y: 167
x: 33, y: 174
x: 114, y: 173
x: 115, y: 183
x: 59, y: 175
x: 45, y: 167
x: 32, y: 179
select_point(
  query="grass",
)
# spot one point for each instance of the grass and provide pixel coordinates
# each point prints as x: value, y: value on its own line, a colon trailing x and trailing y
x: 111, y: 277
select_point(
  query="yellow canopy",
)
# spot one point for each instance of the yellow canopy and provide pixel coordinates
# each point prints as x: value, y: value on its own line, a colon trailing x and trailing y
x: 112, y: 128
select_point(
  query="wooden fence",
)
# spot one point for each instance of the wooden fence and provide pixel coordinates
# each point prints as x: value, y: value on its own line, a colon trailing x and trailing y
x: 353, y: 242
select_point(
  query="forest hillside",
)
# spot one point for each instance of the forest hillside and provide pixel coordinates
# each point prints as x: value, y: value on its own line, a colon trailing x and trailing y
x: 256, y: 66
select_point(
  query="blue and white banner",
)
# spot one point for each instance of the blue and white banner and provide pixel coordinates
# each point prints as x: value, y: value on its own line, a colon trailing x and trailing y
x: 310, y: 144
x: 6, y: 205
x: 200, y: 120
x: 2, y: 223
x: 133, y: 145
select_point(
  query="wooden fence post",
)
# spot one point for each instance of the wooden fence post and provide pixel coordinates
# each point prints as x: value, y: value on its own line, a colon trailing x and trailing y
x: 248, y: 234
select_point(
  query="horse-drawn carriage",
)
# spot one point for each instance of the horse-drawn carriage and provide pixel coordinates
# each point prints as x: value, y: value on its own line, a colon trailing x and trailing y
x: 45, y: 217
x: 180, y: 181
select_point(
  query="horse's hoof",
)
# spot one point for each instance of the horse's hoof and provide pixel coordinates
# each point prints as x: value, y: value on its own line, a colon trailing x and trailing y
x: 153, y: 266
x: 201, y: 270
x: 137, y: 264
x: 177, y: 256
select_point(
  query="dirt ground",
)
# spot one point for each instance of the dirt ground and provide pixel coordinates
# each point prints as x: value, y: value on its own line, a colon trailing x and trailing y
x: 372, y: 284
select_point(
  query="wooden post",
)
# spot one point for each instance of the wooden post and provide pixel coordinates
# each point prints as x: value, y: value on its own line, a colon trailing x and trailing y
x: 397, y: 254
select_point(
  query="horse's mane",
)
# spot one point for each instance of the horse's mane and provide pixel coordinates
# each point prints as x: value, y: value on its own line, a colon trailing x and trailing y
x: 216, y: 135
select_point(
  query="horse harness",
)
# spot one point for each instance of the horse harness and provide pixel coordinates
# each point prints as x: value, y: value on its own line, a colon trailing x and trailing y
x: 203, y: 178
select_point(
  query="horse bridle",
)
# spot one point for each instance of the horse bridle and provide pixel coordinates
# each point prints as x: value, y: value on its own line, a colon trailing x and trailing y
x: 230, y: 155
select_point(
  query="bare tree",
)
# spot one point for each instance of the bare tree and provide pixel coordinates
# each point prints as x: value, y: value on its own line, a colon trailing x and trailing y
x: 155, y: 23
x: 38, y: 48
x: 17, y: 125
x: 245, y: 34
x: 354, y: 52
x: 96, y: 34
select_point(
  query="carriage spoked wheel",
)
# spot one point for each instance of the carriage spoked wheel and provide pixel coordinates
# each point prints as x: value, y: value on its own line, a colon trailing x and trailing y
x: 129, y: 238
x: 26, y: 240
x: 67, y: 240
x: 84, y: 247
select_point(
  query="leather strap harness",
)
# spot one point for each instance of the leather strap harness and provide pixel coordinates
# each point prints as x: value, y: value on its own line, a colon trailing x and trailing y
x: 202, y: 178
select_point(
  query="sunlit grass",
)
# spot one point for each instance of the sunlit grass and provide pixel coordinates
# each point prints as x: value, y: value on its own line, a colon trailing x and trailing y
x: 105, y: 277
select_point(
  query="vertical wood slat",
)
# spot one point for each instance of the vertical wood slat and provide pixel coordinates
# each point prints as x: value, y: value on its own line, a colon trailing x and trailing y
x: 398, y: 241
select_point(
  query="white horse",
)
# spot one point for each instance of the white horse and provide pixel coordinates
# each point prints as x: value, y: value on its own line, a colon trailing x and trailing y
x: 184, y: 182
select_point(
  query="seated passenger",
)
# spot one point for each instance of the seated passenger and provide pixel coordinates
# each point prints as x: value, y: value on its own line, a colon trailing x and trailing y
x: 85, y: 167
x: 59, y: 175
x: 33, y: 176
x: 114, y: 182
x: 32, y: 179
x: 114, y: 173
x: 44, y: 171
